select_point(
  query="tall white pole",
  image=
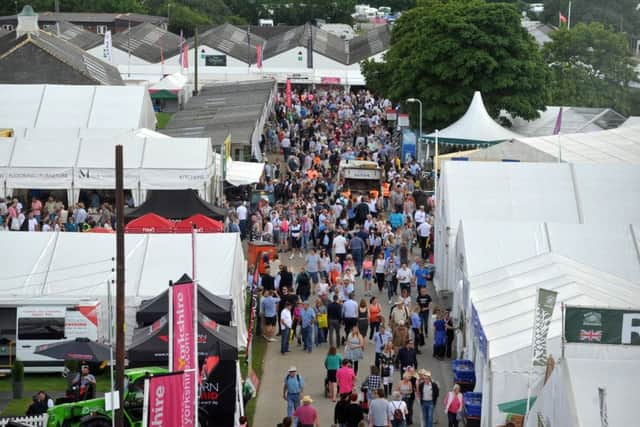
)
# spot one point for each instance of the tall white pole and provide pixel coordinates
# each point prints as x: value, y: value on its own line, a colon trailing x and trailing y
x: 111, y: 361
x: 569, y: 17
x: 170, y: 326
x: 420, y: 127
x: 435, y: 169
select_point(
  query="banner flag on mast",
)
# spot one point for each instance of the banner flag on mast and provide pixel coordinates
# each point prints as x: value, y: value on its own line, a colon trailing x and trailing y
x: 558, y: 126
x: 163, y: 403
x: 108, y: 47
x: 183, y: 346
x: 545, y: 302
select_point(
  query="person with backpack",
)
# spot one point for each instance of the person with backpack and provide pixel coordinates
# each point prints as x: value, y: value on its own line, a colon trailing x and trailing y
x: 292, y: 390
x: 397, y: 410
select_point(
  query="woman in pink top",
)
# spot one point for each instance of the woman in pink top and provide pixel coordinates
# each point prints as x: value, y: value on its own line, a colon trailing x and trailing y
x: 453, y: 405
x: 345, y: 377
x: 367, y: 274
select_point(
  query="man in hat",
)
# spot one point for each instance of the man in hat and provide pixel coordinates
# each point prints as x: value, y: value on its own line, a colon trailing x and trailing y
x: 306, y: 414
x: 292, y: 389
x: 428, y: 392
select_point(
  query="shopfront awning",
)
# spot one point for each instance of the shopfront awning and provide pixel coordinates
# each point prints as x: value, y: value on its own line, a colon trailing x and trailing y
x: 518, y: 407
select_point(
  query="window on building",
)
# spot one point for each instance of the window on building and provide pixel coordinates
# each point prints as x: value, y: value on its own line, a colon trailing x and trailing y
x: 101, y: 29
x: 7, y: 27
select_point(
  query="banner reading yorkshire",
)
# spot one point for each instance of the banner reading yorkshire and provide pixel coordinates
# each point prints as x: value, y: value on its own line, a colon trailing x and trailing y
x: 592, y: 325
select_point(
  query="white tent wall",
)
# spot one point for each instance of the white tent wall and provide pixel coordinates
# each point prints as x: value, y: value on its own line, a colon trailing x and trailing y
x: 243, y: 173
x: 66, y: 106
x: 73, y: 266
x: 87, y: 162
x: 570, y: 397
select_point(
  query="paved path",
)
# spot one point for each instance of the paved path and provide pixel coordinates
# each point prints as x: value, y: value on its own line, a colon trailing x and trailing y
x: 271, y: 407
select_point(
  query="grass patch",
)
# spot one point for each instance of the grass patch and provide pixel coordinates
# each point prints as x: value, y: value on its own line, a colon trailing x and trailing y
x: 52, y: 383
x: 16, y: 408
x: 163, y: 119
x: 259, y: 349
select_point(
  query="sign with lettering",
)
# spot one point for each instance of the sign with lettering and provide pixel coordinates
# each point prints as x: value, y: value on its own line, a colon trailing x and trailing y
x: 592, y: 325
x: 356, y: 173
x: 165, y: 403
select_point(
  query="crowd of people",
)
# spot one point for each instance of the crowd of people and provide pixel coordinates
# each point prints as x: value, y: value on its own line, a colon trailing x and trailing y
x: 54, y: 215
x: 360, y: 251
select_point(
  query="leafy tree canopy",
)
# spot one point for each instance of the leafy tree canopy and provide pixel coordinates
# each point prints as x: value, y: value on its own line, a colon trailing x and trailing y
x: 442, y: 52
x: 590, y: 67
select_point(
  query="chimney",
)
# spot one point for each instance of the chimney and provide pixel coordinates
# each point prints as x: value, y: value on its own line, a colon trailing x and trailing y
x: 27, y: 22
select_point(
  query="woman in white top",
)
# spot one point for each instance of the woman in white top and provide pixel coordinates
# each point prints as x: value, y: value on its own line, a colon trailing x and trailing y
x: 397, y: 406
x: 379, y: 270
x: 404, y: 276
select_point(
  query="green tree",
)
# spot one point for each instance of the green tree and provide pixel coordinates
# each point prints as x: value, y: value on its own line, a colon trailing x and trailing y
x: 590, y: 67
x: 443, y: 52
x: 186, y: 19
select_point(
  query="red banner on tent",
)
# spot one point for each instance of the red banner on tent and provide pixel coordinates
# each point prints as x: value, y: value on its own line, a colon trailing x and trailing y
x: 288, y: 94
x: 202, y: 223
x: 149, y: 223
x: 183, y: 346
x: 259, y: 56
x: 165, y: 403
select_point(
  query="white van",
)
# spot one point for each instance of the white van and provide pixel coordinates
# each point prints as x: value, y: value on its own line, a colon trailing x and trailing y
x: 48, y: 324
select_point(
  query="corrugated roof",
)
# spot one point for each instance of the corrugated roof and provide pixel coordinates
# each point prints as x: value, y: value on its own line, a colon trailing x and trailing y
x: 221, y: 109
x: 70, y: 54
x: 269, y: 32
x: 146, y: 41
x: 233, y: 41
x: 373, y: 42
x: 76, y: 35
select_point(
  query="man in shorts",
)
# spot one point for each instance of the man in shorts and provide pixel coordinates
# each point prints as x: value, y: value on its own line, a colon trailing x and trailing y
x: 269, y: 310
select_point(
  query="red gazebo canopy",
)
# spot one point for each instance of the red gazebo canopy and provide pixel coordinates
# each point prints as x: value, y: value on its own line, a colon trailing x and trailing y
x: 100, y: 230
x: 203, y: 224
x: 150, y: 223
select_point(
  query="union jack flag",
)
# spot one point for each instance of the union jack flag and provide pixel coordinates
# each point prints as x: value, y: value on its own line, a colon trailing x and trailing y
x: 590, y: 335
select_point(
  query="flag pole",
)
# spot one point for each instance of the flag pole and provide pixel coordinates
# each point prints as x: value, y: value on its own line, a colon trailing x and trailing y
x: 170, y: 325
x: 569, y: 17
x: 196, y: 372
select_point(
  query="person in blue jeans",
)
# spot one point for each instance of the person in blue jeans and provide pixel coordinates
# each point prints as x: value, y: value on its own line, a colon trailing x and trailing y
x: 292, y: 390
x: 428, y: 392
x: 307, y: 317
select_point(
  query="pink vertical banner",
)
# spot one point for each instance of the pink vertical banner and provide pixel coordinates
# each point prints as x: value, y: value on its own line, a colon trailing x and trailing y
x: 259, y: 56
x: 166, y: 405
x: 288, y: 94
x: 184, y: 346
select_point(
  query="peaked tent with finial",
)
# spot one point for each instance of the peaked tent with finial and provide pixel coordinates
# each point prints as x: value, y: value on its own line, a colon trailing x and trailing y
x: 474, y: 128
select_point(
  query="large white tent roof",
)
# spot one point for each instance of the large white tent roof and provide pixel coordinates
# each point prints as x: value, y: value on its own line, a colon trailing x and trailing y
x: 68, y: 266
x: 504, y: 299
x: 554, y: 192
x: 243, y: 173
x: 610, y: 247
x: 475, y: 127
x: 60, y: 106
x: 621, y: 145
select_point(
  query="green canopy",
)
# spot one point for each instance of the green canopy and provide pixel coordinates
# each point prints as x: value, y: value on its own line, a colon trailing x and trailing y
x: 518, y: 407
x: 163, y: 94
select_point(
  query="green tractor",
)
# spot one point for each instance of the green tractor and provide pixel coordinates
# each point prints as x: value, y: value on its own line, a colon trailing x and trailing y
x: 92, y: 413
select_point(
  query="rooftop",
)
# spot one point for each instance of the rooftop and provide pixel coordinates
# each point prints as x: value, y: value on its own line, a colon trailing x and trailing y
x: 76, y: 35
x: 233, y: 41
x: 73, y: 56
x: 91, y: 17
x: 221, y: 109
x: 147, y: 41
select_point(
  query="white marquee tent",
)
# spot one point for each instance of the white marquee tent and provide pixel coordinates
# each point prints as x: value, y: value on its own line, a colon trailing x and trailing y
x: 621, y: 145
x: 538, y: 192
x: 500, y: 332
x: 72, y: 266
x: 60, y: 106
x: 243, y: 173
x: 475, y: 127
x: 151, y: 161
x: 570, y: 397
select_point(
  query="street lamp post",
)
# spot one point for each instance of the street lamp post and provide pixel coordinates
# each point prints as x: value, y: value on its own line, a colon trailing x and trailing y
x: 419, y: 151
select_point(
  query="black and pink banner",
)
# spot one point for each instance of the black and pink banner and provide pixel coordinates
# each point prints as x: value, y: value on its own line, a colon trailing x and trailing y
x: 183, y: 347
